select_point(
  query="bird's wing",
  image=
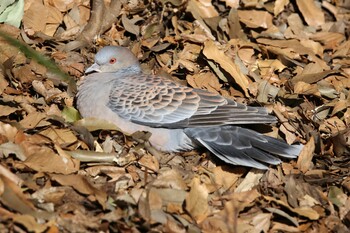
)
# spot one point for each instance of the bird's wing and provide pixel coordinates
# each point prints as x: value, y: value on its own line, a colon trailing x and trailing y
x: 157, y: 102
x: 241, y: 146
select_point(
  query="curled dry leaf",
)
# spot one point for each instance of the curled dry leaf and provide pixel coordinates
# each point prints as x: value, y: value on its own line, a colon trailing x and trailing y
x: 251, y: 180
x: 197, y: 200
x: 47, y: 21
x: 312, y: 12
x: 61, y: 136
x: 80, y: 184
x: 341, y: 142
x: 332, y: 126
x: 302, y: 211
x: 44, y: 159
x: 204, y: 80
x: 306, y: 89
x: 283, y: 214
x: 226, y: 177
x: 212, y: 52
x: 262, y: 221
x: 149, y: 163
x: 170, y: 179
x: 202, y: 8
x: 279, y: 6
x: 13, y: 197
x: 8, y: 131
x: 266, y: 92
x: 255, y: 19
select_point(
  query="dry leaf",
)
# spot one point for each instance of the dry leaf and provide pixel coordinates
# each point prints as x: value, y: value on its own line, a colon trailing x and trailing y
x: 130, y: 26
x: 306, y: 89
x: 226, y: 177
x: 232, y: 3
x: 255, y: 19
x: 149, y: 163
x: 34, y: 119
x: 211, y: 51
x: 312, y: 12
x: 292, y: 53
x: 45, y: 159
x: 197, y: 200
x: 60, y: 136
x: 80, y: 184
x: 202, y: 8
x: 251, y: 180
x: 204, y: 80
x: 13, y: 197
x: 170, y: 179
x: 303, y: 211
x: 279, y: 6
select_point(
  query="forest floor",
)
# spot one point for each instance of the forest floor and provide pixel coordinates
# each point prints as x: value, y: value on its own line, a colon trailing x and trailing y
x: 60, y: 173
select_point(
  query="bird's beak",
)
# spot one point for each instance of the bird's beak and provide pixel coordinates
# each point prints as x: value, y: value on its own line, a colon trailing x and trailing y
x: 93, y: 68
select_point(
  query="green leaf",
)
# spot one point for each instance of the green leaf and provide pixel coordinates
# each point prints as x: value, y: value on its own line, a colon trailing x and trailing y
x: 11, y: 12
x: 70, y: 114
x: 334, y: 196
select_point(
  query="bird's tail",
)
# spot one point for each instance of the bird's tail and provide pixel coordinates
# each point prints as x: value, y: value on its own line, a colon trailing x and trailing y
x: 241, y: 146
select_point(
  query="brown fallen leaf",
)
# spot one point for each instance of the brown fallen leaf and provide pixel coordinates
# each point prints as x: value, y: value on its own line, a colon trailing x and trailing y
x: 7, y: 110
x: 197, y: 200
x: 262, y: 221
x: 313, y: 77
x: 330, y: 40
x: 44, y: 159
x: 204, y: 80
x: 202, y: 8
x: 80, y: 183
x: 304, y: 162
x: 226, y: 176
x: 46, y: 22
x: 170, y: 179
x: 332, y: 126
x: 252, y: 179
x: 312, y: 12
x: 13, y: 197
x: 34, y: 119
x: 28, y: 222
x: 211, y: 51
x: 302, y: 211
x: 149, y: 163
x: 341, y: 142
x: 8, y: 131
x: 60, y: 136
x: 306, y: 89
x: 255, y: 19
x: 130, y: 26
x: 292, y: 49
x: 276, y: 227
x: 279, y: 6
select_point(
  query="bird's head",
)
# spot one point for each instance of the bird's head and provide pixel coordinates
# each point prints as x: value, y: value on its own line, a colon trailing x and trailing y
x: 111, y: 59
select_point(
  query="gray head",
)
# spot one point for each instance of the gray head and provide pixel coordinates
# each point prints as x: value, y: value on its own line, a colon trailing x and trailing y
x: 111, y: 59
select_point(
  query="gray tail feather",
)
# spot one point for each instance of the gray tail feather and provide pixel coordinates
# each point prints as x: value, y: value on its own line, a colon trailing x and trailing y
x: 241, y: 146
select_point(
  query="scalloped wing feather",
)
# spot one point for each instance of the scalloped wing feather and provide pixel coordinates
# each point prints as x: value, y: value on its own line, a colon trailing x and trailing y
x: 157, y: 102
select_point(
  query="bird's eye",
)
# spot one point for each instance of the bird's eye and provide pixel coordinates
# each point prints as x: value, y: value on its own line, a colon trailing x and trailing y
x: 112, y: 60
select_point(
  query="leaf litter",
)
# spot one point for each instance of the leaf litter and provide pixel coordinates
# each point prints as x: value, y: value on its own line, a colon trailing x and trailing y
x: 60, y: 173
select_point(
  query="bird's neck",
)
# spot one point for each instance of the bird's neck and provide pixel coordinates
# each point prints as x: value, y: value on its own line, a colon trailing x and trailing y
x: 135, y: 69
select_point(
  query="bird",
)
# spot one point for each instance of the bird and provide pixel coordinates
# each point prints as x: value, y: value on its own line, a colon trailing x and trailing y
x: 179, y: 117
